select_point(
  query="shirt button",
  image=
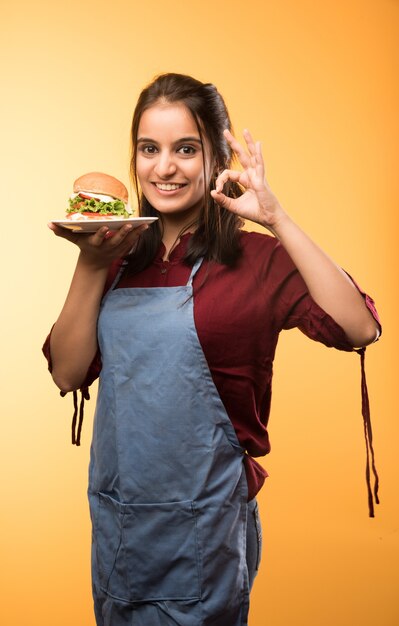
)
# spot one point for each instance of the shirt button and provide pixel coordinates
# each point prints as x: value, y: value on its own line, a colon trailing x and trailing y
x: 163, y: 270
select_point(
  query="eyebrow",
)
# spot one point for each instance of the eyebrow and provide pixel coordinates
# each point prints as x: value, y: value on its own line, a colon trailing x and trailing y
x: 192, y: 139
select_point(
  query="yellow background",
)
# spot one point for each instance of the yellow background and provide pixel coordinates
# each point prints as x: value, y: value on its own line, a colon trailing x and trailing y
x: 316, y: 82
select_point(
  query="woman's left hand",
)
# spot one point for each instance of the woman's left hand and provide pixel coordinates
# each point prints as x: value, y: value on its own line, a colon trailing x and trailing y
x: 329, y: 286
x: 258, y: 203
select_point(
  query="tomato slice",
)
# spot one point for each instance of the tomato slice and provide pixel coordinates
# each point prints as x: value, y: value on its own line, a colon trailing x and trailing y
x: 83, y: 195
x: 89, y: 214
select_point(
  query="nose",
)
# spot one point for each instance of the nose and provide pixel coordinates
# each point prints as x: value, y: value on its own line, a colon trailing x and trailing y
x: 165, y: 165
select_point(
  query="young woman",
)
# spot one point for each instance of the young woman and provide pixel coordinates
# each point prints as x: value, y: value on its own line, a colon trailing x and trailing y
x: 181, y: 322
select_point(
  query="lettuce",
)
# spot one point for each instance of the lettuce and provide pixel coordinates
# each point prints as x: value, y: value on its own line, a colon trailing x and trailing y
x: 85, y: 205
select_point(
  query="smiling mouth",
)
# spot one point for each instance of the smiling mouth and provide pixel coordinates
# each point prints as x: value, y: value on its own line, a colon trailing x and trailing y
x: 169, y: 186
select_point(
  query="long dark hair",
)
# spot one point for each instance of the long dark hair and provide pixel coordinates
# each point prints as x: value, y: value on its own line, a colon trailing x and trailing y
x: 216, y: 236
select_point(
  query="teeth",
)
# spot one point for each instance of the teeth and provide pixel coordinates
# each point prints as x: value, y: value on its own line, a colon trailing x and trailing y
x: 167, y: 186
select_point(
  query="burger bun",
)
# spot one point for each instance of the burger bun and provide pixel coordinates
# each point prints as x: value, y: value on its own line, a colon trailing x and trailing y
x: 98, y: 182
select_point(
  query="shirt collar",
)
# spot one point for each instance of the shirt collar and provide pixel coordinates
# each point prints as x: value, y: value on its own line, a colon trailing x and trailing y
x: 177, y: 253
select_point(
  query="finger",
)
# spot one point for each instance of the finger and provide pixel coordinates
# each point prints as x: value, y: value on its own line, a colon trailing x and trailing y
x: 222, y: 200
x: 254, y: 149
x: 127, y: 235
x: 135, y: 233
x: 237, y: 148
x: 130, y: 242
x: 58, y: 230
x: 260, y: 165
x: 62, y: 232
x: 98, y: 238
x: 119, y: 235
x: 225, y: 176
x: 250, y: 142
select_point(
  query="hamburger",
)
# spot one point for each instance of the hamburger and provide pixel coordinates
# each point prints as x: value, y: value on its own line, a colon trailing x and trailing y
x: 98, y: 196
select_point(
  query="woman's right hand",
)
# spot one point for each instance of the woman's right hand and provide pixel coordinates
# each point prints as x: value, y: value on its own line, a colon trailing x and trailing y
x: 101, y: 248
x: 73, y: 342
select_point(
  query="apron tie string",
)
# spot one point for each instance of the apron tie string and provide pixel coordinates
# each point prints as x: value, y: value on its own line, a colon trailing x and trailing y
x: 368, y: 436
x: 76, y: 431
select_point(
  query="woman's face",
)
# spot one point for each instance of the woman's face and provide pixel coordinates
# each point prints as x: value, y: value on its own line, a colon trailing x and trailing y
x: 169, y: 164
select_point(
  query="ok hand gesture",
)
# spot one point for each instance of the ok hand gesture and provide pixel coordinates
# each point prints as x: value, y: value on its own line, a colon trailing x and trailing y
x: 257, y: 203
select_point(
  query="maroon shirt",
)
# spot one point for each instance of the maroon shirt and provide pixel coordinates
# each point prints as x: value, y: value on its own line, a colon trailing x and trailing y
x: 239, y: 313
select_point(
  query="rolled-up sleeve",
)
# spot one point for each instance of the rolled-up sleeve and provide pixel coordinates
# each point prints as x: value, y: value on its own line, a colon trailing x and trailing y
x: 298, y: 309
x: 92, y: 373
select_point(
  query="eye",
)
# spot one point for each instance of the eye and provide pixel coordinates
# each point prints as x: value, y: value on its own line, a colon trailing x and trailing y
x: 148, y: 148
x: 187, y: 150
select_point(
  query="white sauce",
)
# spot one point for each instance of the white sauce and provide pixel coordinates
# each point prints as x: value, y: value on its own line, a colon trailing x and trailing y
x: 99, y: 196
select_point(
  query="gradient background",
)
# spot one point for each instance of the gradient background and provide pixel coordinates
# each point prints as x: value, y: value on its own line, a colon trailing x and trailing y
x: 317, y: 82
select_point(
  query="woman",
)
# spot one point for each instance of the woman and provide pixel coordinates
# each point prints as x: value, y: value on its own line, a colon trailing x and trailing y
x: 182, y: 319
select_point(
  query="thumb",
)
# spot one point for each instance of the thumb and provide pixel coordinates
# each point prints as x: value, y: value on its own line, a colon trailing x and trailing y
x: 222, y: 200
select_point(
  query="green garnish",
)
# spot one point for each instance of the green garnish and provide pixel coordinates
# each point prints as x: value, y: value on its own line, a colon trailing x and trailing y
x: 91, y: 205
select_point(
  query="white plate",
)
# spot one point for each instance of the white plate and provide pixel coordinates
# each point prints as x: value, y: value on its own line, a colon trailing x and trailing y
x: 91, y: 225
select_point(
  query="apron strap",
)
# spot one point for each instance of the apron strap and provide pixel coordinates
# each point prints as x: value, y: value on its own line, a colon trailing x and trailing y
x: 118, y: 275
x: 194, y: 270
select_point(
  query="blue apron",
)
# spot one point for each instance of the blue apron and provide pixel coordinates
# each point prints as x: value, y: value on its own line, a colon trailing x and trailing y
x: 167, y: 486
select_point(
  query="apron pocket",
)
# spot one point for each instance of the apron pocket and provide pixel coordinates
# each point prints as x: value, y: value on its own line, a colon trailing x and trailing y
x: 147, y: 552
